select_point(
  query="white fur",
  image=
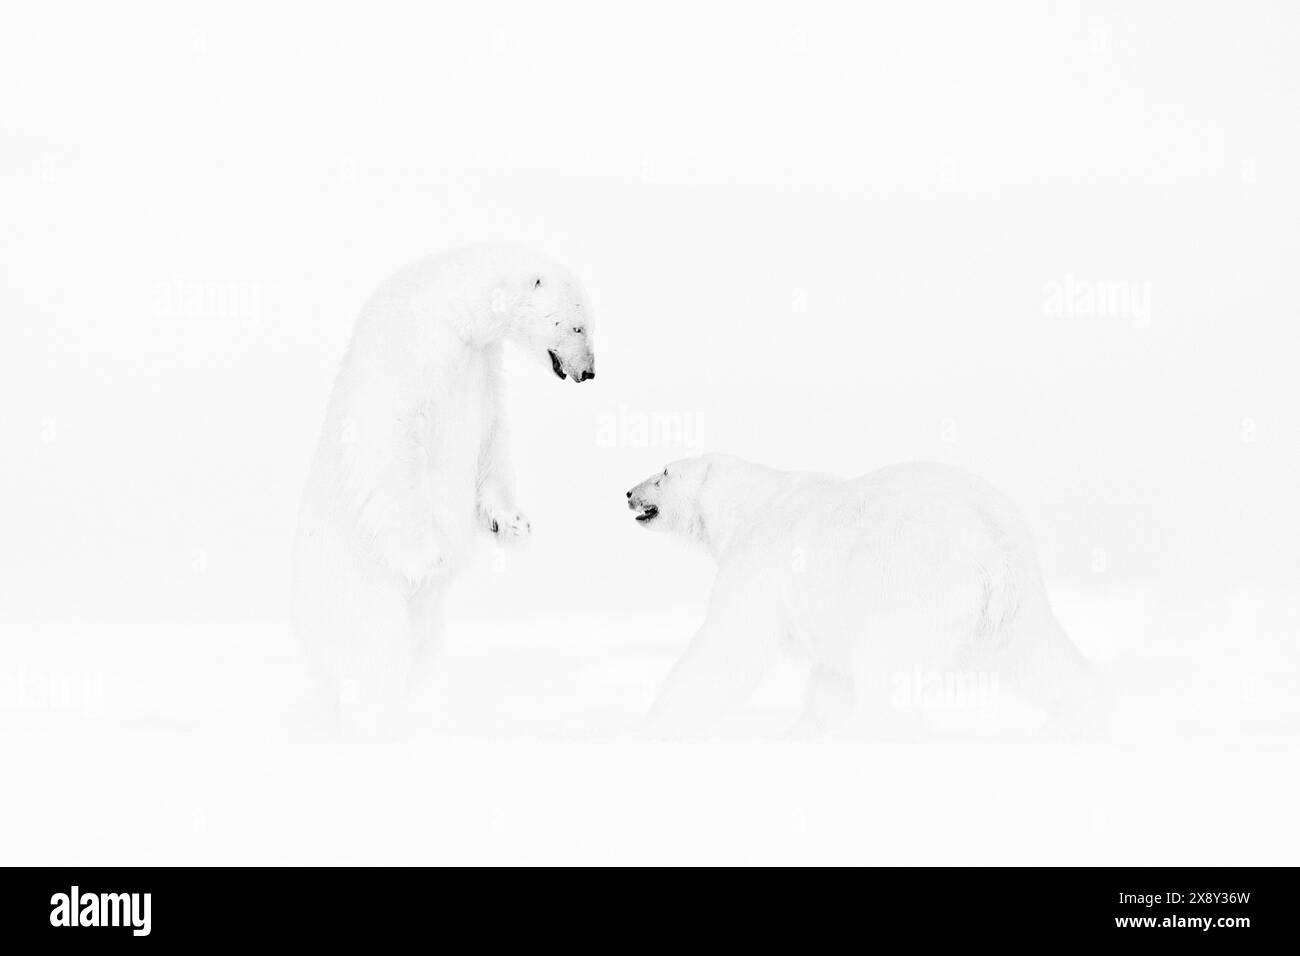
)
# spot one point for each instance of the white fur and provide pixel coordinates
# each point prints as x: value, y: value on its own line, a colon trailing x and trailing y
x: 912, y: 566
x: 413, y: 458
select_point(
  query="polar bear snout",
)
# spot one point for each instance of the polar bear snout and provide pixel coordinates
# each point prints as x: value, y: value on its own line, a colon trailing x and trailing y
x: 586, y: 372
x: 643, y: 501
x: 585, y: 369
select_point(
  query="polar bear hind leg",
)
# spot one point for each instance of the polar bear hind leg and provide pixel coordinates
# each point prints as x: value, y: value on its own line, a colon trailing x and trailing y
x: 355, y: 623
x: 375, y: 664
x: 425, y: 611
x: 1038, y: 661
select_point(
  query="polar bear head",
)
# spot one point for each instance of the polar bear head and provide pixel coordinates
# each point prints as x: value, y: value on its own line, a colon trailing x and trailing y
x: 550, y: 318
x: 675, y: 498
x: 709, y: 500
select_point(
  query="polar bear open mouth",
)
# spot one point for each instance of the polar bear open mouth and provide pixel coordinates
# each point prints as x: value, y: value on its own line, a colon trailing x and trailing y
x: 555, y: 364
x: 648, y: 513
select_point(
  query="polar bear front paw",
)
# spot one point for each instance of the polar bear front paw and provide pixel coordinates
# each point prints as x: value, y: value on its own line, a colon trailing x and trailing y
x: 509, y: 527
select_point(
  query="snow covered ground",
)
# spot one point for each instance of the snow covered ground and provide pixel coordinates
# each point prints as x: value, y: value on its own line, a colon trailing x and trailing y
x: 180, y: 742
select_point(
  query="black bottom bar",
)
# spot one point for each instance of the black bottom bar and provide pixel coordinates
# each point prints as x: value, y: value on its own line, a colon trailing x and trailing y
x: 211, y: 906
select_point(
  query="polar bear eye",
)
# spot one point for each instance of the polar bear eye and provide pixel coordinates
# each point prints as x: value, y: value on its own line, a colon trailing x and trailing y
x: 537, y: 283
x: 577, y: 329
x: 665, y: 472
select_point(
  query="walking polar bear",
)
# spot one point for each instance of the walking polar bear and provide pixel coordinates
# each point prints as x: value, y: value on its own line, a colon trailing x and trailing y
x: 413, y: 459
x: 914, y: 565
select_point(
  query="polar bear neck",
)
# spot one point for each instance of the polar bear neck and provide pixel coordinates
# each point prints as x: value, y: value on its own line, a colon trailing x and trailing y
x: 480, y: 289
x: 733, y: 494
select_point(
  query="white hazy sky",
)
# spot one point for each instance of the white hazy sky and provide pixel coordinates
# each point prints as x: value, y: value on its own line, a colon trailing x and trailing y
x: 825, y: 239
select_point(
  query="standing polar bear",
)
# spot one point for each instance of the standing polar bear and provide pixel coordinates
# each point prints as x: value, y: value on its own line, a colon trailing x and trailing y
x: 912, y: 566
x: 413, y: 457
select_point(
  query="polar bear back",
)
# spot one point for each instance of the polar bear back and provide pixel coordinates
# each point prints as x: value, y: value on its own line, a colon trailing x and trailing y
x: 922, y: 550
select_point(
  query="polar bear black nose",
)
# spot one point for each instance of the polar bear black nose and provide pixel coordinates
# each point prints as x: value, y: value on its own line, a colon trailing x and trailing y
x: 629, y: 494
x: 586, y: 375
